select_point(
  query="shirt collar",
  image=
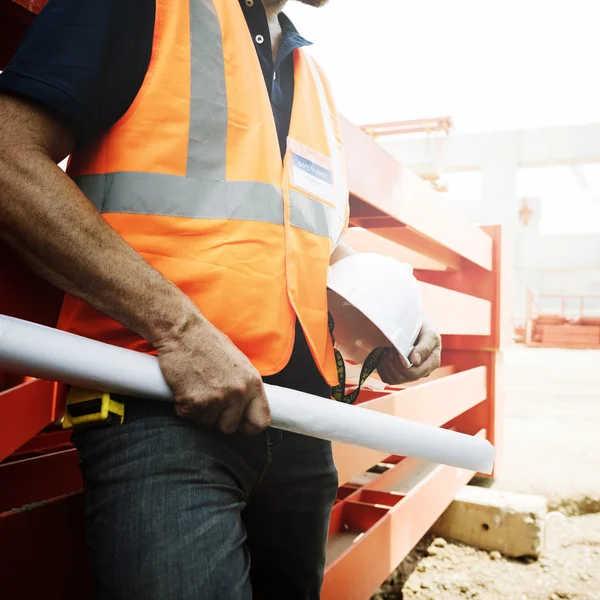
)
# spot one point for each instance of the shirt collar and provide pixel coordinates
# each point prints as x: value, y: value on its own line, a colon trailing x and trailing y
x: 290, y: 40
x: 290, y: 31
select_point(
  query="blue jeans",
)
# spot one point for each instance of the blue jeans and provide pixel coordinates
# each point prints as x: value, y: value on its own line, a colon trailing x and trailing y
x: 178, y: 511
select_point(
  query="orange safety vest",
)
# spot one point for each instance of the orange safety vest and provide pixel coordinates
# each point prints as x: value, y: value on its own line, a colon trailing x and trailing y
x: 192, y: 178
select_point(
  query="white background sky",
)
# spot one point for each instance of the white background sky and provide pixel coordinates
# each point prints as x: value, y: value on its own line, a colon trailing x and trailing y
x: 490, y: 64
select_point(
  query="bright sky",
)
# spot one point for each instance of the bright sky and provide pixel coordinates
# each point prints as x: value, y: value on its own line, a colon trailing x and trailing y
x: 566, y: 208
x: 490, y: 64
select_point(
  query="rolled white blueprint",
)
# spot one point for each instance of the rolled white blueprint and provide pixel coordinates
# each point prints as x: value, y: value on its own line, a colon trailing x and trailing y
x: 47, y: 353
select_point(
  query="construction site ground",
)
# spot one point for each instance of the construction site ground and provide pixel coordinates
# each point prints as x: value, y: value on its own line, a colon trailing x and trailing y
x: 551, y: 447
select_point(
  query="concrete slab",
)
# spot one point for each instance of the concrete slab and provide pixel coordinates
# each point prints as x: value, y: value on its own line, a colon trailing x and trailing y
x: 512, y: 524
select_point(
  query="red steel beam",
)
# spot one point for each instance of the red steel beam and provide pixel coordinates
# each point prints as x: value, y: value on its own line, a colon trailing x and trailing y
x: 493, y: 285
x: 43, y: 552
x: 400, y: 198
x: 33, y: 6
x: 371, y: 534
x: 436, y: 403
x: 488, y: 415
x: 45, y: 442
x: 413, y: 126
x: 14, y: 20
x: 24, y: 411
x: 25, y: 482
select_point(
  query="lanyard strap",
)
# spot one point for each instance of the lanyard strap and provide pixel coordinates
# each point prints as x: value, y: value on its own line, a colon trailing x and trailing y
x: 370, y: 364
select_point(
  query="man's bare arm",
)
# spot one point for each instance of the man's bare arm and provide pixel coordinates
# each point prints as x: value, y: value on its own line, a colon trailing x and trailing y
x: 58, y: 233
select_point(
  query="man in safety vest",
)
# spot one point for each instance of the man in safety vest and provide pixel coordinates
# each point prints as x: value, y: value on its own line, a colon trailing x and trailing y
x: 200, y: 215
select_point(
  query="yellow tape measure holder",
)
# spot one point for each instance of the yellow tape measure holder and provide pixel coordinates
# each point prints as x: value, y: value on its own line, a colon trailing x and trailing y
x: 89, y: 408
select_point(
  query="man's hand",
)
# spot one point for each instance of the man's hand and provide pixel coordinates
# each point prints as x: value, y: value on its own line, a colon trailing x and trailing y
x: 425, y: 358
x: 213, y: 382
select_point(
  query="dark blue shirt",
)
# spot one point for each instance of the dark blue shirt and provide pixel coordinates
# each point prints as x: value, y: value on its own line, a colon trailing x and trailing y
x: 87, y: 59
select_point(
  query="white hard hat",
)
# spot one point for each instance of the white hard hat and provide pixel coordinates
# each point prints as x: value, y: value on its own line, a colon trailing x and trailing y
x: 386, y: 292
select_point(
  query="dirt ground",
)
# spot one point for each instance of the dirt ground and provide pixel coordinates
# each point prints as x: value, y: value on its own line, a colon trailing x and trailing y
x: 552, y: 448
x: 552, y: 426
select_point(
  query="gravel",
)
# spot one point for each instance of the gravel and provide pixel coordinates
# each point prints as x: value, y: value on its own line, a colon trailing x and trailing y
x: 569, y: 569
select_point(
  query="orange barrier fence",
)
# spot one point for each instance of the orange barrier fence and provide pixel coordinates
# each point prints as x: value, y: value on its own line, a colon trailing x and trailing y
x: 385, y: 503
x: 379, y: 516
x: 562, y: 321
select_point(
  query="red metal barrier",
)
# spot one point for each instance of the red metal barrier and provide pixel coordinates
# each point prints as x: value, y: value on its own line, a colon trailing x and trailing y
x: 571, y: 322
x: 377, y: 519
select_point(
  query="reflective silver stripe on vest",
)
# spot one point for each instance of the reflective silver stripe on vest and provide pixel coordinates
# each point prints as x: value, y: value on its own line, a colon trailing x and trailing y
x: 340, y: 189
x: 309, y: 214
x: 207, y: 142
x: 174, y: 196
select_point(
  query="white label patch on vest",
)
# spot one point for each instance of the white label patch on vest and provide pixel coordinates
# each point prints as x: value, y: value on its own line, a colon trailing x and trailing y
x: 311, y: 171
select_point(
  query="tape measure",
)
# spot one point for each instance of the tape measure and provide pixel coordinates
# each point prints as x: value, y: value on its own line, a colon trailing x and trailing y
x: 371, y: 363
x: 87, y: 408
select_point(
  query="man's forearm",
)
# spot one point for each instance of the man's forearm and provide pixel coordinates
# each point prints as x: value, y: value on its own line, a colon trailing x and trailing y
x: 58, y: 233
